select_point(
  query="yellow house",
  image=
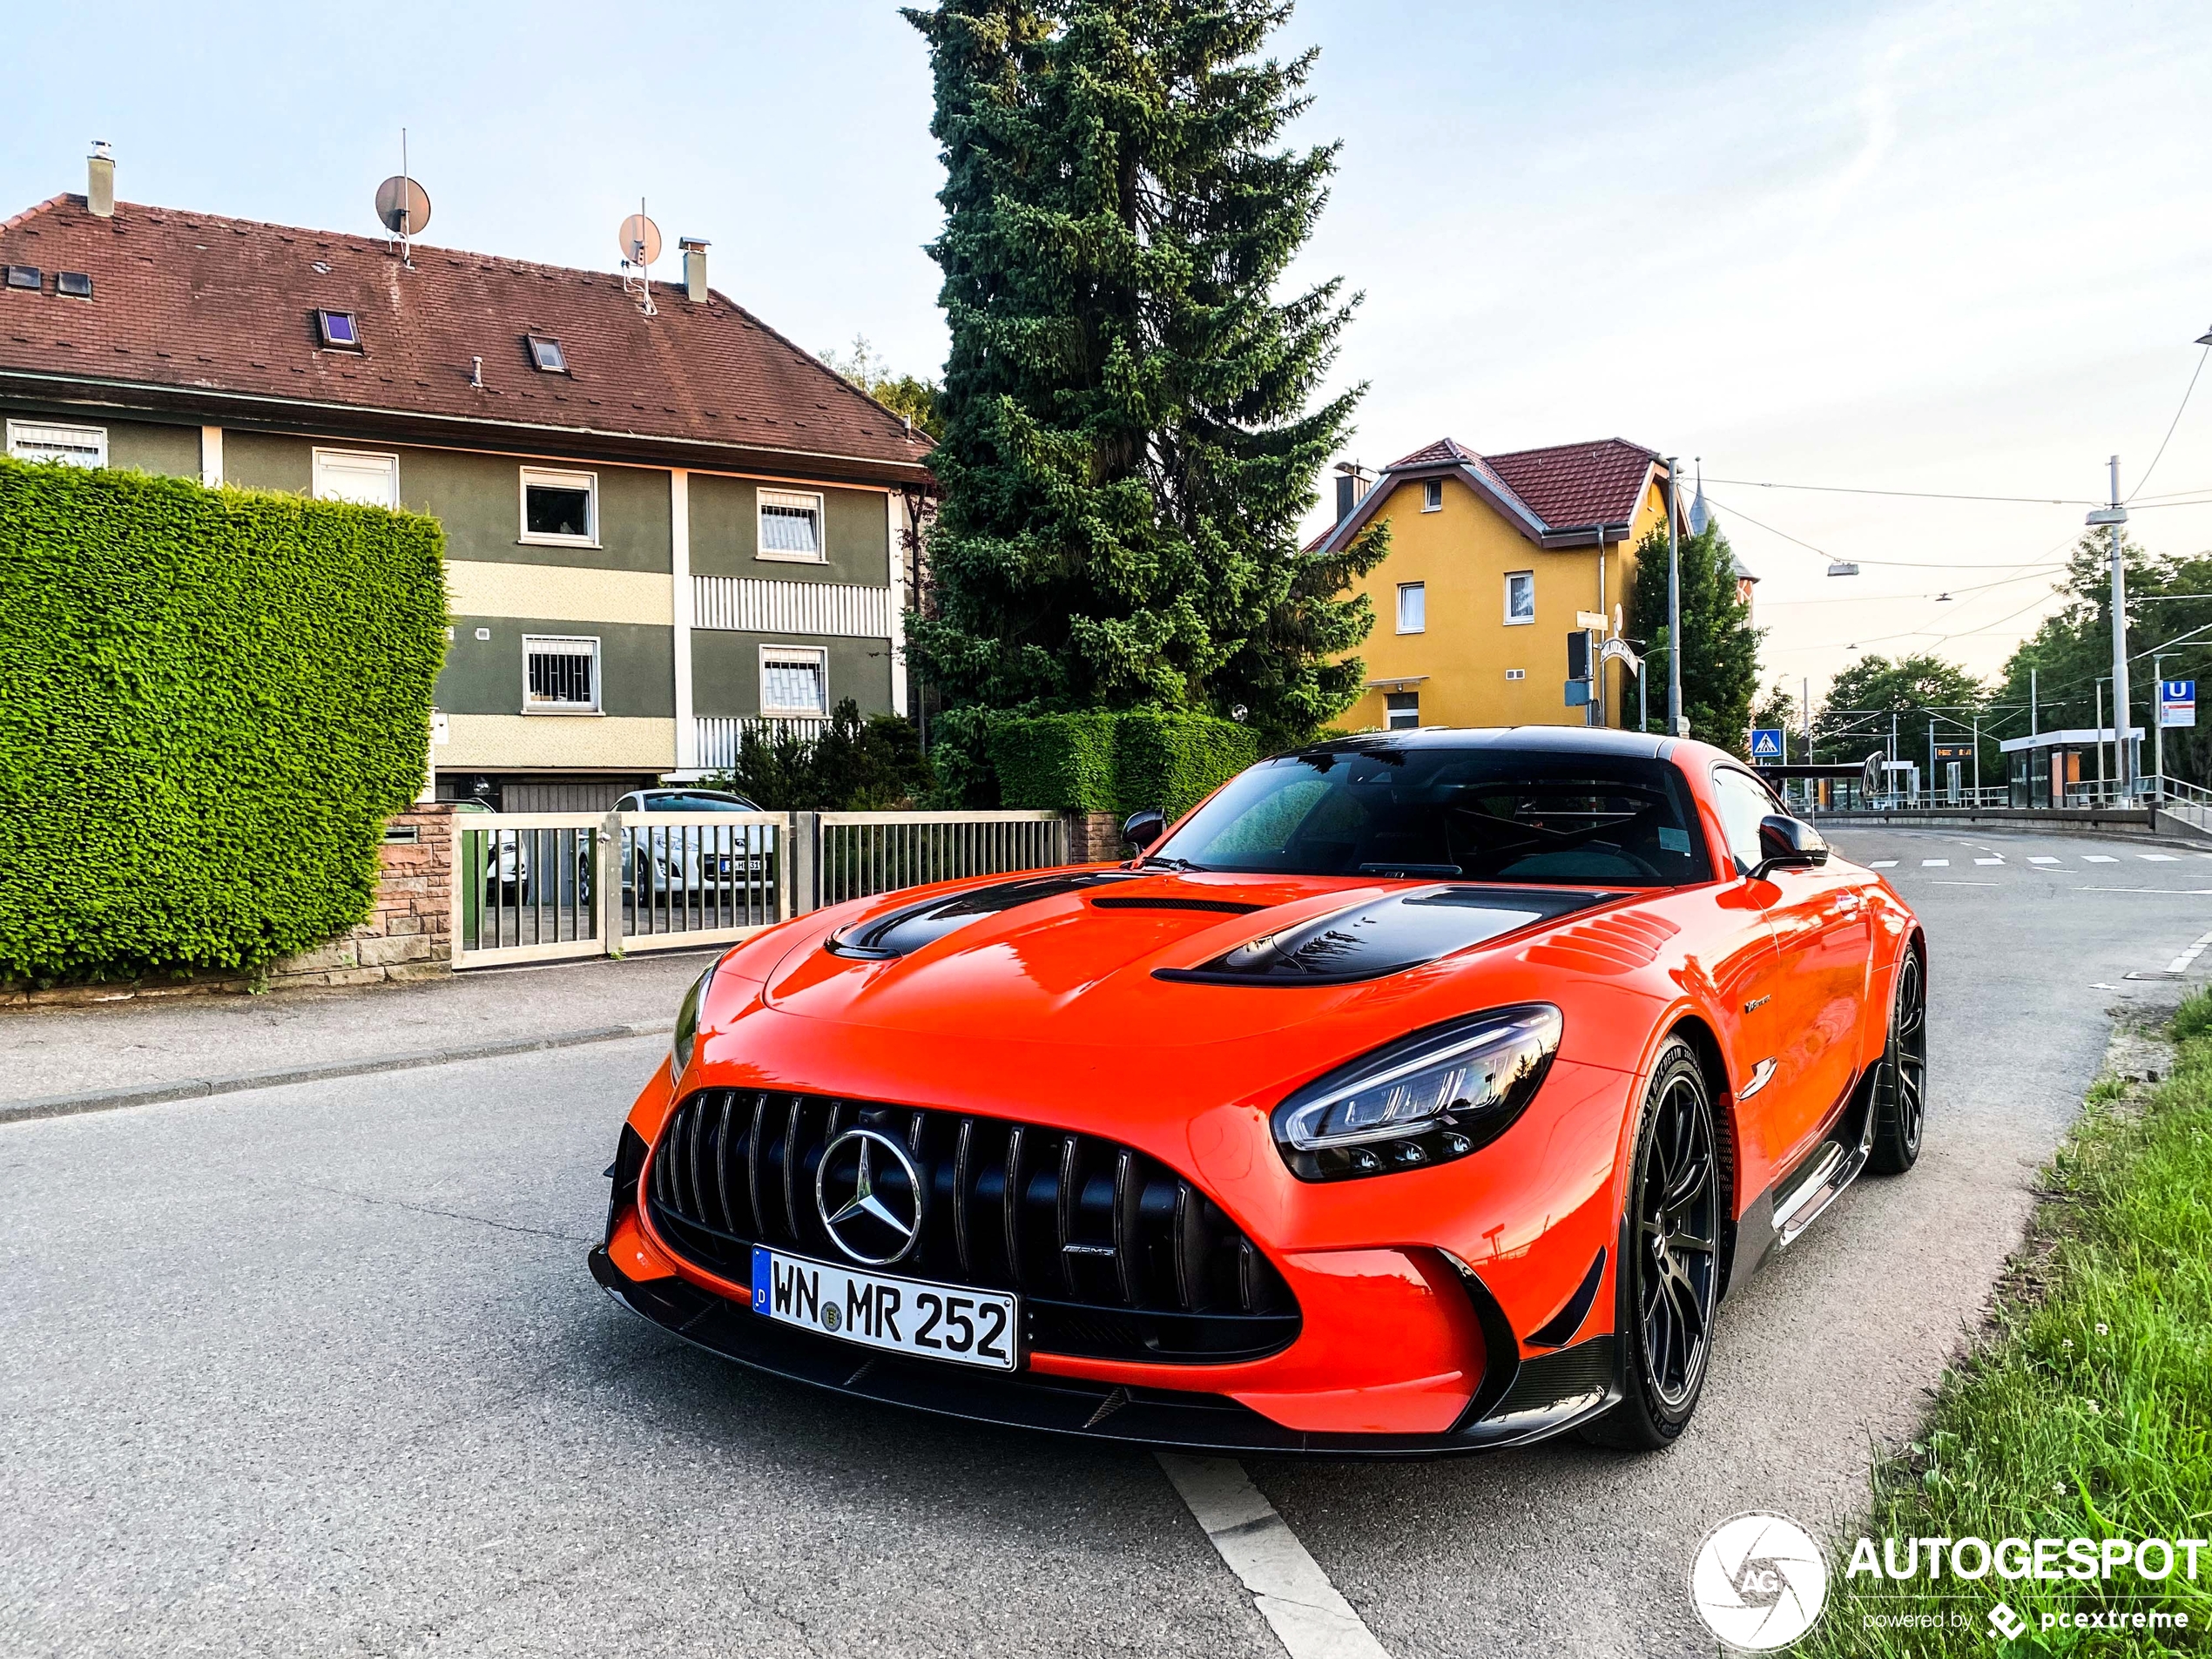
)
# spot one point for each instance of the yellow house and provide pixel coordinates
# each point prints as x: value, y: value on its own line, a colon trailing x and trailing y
x: 1493, y: 561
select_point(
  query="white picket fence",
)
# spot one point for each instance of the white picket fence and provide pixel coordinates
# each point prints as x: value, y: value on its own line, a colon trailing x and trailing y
x: 538, y: 886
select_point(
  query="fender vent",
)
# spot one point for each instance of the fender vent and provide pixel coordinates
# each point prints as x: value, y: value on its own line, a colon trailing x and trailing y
x: 1614, y: 944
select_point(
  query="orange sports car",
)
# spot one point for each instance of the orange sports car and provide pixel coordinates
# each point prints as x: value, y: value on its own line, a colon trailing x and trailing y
x: 1419, y: 1091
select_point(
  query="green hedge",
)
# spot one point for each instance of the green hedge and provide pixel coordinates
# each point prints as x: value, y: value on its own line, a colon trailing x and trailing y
x: 1115, y: 763
x: 214, y: 700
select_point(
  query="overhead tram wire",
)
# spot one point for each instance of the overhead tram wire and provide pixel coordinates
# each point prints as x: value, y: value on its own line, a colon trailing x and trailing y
x: 2171, y: 425
x: 1916, y: 495
x: 1891, y: 564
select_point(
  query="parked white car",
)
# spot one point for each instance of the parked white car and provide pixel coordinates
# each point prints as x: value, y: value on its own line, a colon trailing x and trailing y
x: 692, y: 857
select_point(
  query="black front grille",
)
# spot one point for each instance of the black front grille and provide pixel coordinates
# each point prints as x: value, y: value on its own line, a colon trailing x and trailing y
x: 1114, y: 1254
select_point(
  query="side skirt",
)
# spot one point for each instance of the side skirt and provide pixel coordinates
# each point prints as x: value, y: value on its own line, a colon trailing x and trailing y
x: 1779, y: 1216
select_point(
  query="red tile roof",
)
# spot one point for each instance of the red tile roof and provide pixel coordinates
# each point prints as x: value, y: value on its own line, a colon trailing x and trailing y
x: 221, y: 308
x: 1550, y: 495
x: 1573, y: 484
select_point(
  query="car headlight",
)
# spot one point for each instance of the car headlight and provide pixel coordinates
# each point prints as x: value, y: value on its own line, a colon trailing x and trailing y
x: 687, y: 1020
x: 1432, y: 1097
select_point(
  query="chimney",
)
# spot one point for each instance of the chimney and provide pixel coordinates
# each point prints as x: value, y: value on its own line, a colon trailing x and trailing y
x: 1347, y: 496
x: 99, y: 179
x: 694, y: 268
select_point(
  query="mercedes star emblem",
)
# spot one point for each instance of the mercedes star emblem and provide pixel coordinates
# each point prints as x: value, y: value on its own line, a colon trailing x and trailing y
x: 869, y: 1195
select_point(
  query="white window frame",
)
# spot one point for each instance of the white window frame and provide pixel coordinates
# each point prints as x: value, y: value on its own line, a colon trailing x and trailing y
x: 1432, y: 495
x: 27, y: 433
x: 1528, y: 621
x: 1516, y: 674
x: 533, y: 642
x: 390, y: 460
x: 819, y: 656
x: 1420, y: 589
x: 551, y: 478
x: 765, y: 498
x: 1392, y: 723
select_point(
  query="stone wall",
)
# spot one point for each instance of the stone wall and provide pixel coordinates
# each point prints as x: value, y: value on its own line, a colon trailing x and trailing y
x: 409, y: 930
x: 1095, y: 838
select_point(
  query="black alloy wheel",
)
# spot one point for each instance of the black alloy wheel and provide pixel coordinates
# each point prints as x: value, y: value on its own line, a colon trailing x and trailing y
x: 1672, y: 1270
x: 1901, y: 1085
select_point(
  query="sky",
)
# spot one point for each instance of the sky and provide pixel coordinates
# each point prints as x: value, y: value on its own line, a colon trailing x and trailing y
x: 1944, y: 247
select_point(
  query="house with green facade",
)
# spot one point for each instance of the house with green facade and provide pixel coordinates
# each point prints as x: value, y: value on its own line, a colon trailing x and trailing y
x: 663, y: 518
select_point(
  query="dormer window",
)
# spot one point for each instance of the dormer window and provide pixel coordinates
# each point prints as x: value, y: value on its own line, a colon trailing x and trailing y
x: 546, y: 354
x: 338, y: 330
x: 75, y: 285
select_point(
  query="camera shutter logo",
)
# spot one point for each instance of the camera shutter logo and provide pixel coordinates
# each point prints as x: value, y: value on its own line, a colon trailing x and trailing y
x: 1758, y: 1581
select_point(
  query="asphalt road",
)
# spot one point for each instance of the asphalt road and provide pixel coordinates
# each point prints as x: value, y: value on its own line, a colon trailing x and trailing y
x: 319, y: 1370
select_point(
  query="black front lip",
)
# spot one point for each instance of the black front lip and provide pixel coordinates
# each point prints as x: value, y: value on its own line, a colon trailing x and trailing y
x: 1186, y: 1420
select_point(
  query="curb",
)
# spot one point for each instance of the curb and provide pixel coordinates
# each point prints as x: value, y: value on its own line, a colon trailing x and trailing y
x: 201, y: 1087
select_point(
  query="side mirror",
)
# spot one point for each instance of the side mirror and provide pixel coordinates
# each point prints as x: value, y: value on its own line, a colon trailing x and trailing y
x: 1144, y: 827
x: 1789, y: 844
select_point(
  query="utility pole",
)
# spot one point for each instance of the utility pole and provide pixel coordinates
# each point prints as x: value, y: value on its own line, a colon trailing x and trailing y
x: 2112, y: 517
x: 2101, y: 728
x: 2158, y: 718
x: 1674, y: 726
x: 1932, y: 766
x: 2032, y: 727
x: 1977, y: 758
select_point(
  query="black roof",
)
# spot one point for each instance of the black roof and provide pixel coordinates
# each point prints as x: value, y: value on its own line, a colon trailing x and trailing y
x: 1541, y: 739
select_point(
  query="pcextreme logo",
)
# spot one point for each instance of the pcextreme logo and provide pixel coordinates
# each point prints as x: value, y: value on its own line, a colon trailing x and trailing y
x: 1758, y: 1581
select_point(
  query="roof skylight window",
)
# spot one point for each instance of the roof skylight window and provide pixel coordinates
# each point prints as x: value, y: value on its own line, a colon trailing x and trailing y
x: 338, y: 330
x: 547, y: 355
x: 25, y: 276
x: 77, y: 285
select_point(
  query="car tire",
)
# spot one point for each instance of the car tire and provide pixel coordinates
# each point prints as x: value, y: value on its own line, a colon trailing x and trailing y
x: 1669, y: 1281
x: 1901, y: 1078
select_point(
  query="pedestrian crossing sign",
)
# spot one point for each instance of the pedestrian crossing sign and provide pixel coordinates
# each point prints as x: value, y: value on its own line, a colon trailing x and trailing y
x: 1766, y: 743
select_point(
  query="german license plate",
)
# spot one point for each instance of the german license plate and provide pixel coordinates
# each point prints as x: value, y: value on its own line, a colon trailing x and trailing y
x: 968, y: 1327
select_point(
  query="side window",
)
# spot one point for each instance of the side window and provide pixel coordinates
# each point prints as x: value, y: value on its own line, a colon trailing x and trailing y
x: 1743, y: 801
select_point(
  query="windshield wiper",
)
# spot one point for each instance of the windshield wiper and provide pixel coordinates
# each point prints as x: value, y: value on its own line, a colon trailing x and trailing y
x: 1387, y: 869
x: 1180, y: 865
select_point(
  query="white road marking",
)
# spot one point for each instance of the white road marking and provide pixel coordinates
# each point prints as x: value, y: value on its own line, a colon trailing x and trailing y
x: 2042, y: 861
x: 2098, y: 858
x: 2158, y: 858
x: 1989, y: 861
x: 2180, y: 964
x: 1883, y: 864
x: 1935, y: 863
x: 2171, y: 893
x: 1287, y: 1585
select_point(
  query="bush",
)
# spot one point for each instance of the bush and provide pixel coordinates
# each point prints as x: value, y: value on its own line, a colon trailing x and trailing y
x: 1113, y: 763
x: 1174, y: 761
x: 215, y: 699
x: 853, y: 765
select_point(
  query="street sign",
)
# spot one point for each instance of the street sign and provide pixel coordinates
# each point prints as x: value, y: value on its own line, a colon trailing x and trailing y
x: 1766, y: 743
x: 1954, y: 752
x: 2177, y: 702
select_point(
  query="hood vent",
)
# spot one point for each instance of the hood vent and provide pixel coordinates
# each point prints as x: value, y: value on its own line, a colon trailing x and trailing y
x: 1384, y: 936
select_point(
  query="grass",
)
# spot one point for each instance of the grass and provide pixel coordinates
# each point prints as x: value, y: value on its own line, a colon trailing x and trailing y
x: 2086, y: 1410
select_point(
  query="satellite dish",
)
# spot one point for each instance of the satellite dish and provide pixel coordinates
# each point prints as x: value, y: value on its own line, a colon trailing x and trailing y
x: 402, y: 206
x: 639, y: 239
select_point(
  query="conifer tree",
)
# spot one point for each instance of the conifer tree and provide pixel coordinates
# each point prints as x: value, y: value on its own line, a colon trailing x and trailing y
x: 1127, y: 446
x: 1719, y: 662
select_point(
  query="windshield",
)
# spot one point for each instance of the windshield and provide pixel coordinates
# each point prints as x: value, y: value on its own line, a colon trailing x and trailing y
x: 1479, y: 814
